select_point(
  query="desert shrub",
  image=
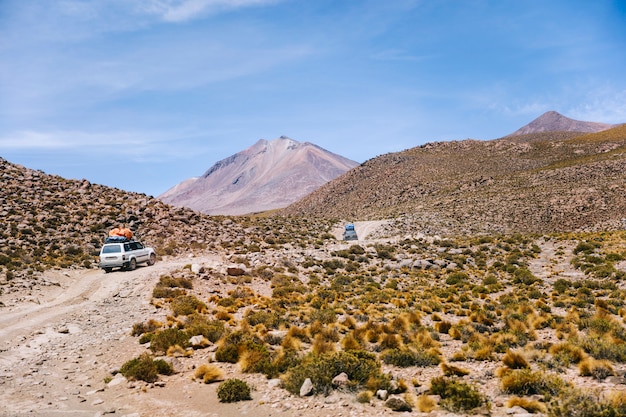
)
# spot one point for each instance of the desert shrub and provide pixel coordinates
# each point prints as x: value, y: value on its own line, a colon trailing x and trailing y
x: 185, y: 305
x: 443, y: 326
x: 161, y: 341
x: 233, y: 390
x: 598, y: 369
x: 234, y: 344
x: 270, y: 319
x: 587, y: 403
x: 141, y: 328
x: 586, y: 247
x: 142, y: 368
x: 456, y: 395
x: 208, y: 373
x: 566, y: 353
x: 364, y: 397
x: 532, y: 406
x: 515, y: 360
x: 197, y: 324
x: 451, y: 370
x: 524, y: 276
x: 255, y: 358
x: 603, y: 348
x: 358, y: 365
x: 180, y: 282
x: 406, y: 357
x: 163, y: 367
x: 457, y: 278
x: 528, y: 382
x: 166, y: 292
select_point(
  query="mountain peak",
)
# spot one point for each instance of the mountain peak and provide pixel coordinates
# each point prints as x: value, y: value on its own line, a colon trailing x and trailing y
x: 268, y: 175
x: 553, y: 121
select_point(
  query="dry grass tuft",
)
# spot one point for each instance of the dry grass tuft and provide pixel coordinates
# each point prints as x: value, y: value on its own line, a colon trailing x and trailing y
x: 208, y: 373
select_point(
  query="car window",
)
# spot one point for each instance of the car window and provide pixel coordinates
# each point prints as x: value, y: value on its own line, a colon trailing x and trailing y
x: 138, y: 245
x: 126, y: 247
x: 111, y: 249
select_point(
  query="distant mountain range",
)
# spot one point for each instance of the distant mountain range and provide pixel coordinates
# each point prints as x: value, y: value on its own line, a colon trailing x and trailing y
x: 268, y: 175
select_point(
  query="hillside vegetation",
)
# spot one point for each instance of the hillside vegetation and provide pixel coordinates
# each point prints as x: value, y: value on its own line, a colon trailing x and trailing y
x: 540, y: 182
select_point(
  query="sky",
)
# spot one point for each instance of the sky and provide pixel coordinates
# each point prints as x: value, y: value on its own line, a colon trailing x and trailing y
x: 143, y: 94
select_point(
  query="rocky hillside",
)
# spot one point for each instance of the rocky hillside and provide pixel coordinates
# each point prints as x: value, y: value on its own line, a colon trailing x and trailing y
x: 555, y: 122
x: 52, y: 222
x: 266, y: 176
x: 539, y: 182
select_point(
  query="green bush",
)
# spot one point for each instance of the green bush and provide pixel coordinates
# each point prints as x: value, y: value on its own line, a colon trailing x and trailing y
x: 166, y: 292
x: 233, y: 390
x: 528, y: 382
x: 360, y: 366
x: 456, y: 396
x: 406, y: 357
x: 145, y: 368
x: 587, y: 403
x: 270, y: 319
x: 163, y: 367
x: 234, y: 344
x: 185, y: 305
x: 161, y: 341
x: 197, y: 324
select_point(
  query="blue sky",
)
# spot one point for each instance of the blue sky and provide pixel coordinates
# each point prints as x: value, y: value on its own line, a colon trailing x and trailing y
x: 142, y: 94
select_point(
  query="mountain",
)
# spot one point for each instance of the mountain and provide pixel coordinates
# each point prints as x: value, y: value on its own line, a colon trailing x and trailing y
x: 268, y: 175
x: 553, y: 121
x: 540, y: 182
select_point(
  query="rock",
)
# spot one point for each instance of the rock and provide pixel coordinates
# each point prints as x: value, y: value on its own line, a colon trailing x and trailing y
x: 341, y: 380
x: 397, y: 404
x: 382, y: 394
x: 235, y: 272
x: 196, y: 269
x: 117, y: 380
x: 175, y: 363
x: 199, y: 342
x: 307, y: 388
x: 275, y: 383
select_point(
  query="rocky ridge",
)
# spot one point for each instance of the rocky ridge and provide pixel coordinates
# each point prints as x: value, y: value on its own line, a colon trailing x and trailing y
x: 541, y: 182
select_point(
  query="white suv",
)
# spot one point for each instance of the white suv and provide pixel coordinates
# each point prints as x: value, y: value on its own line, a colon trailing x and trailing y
x: 125, y: 255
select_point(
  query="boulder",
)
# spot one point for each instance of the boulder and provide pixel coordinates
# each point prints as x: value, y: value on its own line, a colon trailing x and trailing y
x: 398, y: 404
x: 307, y: 388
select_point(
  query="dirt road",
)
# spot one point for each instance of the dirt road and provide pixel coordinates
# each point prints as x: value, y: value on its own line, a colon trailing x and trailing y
x: 60, y: 344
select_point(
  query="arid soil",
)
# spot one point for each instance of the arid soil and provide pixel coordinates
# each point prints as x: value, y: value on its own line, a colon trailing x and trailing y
x: 61, y: 343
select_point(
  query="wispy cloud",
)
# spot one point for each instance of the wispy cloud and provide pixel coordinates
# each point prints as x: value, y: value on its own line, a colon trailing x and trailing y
x: 184, y: 10
x: 136, y: 146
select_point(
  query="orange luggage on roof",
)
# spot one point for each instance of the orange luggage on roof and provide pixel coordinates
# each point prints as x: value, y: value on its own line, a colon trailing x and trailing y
x: 121, y: 231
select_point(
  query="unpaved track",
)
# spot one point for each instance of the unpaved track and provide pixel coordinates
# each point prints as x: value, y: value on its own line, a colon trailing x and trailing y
x: 55, y: 354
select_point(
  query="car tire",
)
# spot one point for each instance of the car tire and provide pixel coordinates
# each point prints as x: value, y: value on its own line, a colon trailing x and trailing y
x: 132, y: 264
x: 152, y: 259
x: 107, y: 270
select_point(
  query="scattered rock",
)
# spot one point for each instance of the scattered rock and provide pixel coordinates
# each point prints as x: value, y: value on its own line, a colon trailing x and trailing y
x: 340, y: 380
x: 398, y: 404
x: 307, y: 388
